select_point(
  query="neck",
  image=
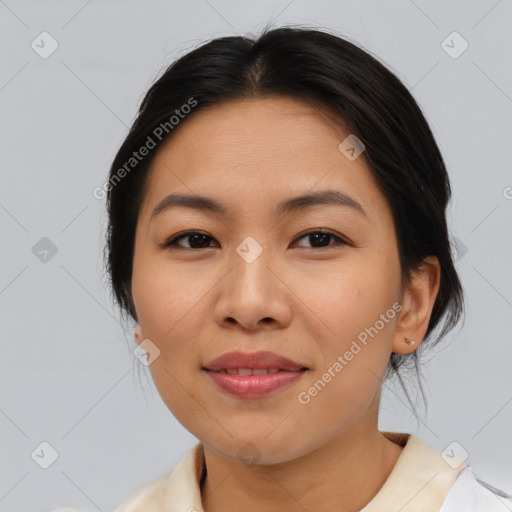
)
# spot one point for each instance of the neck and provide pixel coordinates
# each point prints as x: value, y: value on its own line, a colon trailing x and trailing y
x: 345, y: 473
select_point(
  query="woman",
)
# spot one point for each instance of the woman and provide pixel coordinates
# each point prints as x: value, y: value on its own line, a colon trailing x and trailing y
x: 277, y: 231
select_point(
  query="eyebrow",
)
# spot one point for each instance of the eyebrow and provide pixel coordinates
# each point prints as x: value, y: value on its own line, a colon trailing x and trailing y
x: 302, y: 202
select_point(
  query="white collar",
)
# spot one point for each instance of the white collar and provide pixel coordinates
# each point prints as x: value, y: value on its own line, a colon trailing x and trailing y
x: 419, y: 482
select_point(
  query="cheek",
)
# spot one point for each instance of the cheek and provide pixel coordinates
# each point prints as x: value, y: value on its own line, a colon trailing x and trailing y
x: 167, y: 302
x: 359, y: 311
x: 168, y: 305
x: 164, y: 293
x: 351, y: 296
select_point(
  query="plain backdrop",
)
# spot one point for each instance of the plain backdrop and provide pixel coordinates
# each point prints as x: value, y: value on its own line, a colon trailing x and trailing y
x: 68, y: 374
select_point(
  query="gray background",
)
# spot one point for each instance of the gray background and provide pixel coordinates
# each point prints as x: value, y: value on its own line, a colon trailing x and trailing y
x: 68, y: 374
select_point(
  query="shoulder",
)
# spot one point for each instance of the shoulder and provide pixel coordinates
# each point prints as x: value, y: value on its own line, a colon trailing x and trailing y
x: 179, y: 486
x: 471, y: 494
x: 147, y: 497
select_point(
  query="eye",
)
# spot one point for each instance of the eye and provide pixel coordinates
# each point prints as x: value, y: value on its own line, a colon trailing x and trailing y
x: 320, y: 237
x: 196, y: 239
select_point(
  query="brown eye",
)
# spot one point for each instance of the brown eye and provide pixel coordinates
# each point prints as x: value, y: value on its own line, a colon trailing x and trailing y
x: 320, y: 238
x: 196, y: 240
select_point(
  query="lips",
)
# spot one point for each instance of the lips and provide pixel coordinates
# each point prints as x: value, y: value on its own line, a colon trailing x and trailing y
x: 253, y: 361
x: 249, y: 371
x: 253, y: 375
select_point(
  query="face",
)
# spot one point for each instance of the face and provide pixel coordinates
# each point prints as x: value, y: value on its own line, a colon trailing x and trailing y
x: 317, y: 282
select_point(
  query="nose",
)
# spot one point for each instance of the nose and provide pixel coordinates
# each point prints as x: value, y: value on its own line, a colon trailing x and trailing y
x: 253, y: 296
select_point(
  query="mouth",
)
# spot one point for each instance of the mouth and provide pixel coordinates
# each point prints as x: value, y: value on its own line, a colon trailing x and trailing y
x: 248, y: 371
x: 253, y: 375
x: 263, y: 360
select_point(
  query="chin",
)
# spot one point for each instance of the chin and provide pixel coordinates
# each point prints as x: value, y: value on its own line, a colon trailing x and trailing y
x: 257, y: 449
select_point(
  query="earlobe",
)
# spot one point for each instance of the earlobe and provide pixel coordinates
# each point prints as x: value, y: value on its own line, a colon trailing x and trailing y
x: 418, y: 303
x: 138, y: 334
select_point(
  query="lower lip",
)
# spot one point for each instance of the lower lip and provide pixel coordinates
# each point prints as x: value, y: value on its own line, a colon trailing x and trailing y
x: 254, y: 386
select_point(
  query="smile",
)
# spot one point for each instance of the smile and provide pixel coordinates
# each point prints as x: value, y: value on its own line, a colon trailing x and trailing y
x: 246, y: 383
x: 249, y: 371
x: 253, y: 375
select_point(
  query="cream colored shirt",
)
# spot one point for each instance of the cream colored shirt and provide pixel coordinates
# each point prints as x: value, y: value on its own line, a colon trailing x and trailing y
x: 422, y: 480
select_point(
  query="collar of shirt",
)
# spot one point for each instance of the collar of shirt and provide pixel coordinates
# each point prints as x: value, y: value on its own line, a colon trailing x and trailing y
x: 419, y: 482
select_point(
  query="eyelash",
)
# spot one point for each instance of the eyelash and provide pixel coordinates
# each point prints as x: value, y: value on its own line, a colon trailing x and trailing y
x: 172, y: 242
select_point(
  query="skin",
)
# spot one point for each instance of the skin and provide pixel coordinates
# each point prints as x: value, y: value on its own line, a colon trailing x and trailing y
x: 299, y: 300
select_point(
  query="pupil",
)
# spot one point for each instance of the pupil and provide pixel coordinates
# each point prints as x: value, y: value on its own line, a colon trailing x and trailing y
x: 193, y: 238
x: 322, y: 236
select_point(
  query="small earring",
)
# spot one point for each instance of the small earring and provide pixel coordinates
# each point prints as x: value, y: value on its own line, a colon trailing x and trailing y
x: 408, y: 341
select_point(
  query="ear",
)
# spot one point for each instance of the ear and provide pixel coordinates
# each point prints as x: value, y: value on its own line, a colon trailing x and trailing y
x: 419, y: 296
x: 139, y: 338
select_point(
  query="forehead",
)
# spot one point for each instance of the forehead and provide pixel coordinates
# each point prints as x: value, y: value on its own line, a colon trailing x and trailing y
x: 239, y: 149
x: 260, y: 128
